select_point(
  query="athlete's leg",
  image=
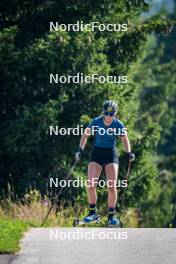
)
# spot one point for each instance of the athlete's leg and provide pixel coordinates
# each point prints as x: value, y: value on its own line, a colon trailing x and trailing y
x: 111, y: 171
x: 94, y: 171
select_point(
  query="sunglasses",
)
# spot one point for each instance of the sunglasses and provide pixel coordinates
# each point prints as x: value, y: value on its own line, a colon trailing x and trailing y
x: 109, y: 113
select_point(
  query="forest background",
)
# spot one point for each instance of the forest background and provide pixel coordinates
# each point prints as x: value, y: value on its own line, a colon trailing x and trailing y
x: 29, y: 104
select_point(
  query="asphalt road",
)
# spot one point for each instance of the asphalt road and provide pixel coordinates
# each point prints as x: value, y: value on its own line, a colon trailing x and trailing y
x: 98, y: 245
x: 6, y: 258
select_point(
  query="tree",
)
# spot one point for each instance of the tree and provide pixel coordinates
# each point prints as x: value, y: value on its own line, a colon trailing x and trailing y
x: 157, y: 104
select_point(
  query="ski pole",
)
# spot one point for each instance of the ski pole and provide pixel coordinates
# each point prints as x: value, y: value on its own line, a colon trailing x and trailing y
x: 60, y: 191
x: 126, y: 178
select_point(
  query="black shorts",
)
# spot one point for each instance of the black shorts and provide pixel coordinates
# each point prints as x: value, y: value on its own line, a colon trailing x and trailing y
x: 104, y: 156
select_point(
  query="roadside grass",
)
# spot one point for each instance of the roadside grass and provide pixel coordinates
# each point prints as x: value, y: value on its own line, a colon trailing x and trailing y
x: 32, y: 209
x: 11, y: 231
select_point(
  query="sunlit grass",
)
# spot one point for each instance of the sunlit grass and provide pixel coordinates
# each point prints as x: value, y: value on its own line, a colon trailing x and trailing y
x: 11, y: 231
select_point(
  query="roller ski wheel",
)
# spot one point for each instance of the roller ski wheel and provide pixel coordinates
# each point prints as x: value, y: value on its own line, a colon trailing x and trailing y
x: 115, y: 226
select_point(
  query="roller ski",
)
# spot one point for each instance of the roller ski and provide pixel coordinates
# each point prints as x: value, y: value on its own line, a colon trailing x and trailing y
x: 89, y: 219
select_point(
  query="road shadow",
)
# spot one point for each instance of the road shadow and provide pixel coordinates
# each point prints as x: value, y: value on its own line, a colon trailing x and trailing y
x: 6, y: 258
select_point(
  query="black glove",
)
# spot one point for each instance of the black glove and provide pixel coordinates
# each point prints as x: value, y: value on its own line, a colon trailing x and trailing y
x: 130, y: 156
x: 78, y: 154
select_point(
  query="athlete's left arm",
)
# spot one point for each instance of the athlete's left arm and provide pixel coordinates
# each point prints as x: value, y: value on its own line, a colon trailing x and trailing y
x: 126, y: 143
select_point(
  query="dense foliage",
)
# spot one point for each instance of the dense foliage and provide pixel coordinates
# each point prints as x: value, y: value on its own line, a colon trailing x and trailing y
x: 30, y: 104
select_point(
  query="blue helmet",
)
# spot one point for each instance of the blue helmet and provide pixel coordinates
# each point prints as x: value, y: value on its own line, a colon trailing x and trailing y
x: 110, y: 106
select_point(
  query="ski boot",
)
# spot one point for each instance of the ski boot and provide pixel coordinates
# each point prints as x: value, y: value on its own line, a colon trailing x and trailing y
x: 113, y: 221
x: 91, y: 218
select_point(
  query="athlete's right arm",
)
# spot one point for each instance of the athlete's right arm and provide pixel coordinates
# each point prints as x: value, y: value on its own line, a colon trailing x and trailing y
x: 82, y: 143
x: 84, y: 137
